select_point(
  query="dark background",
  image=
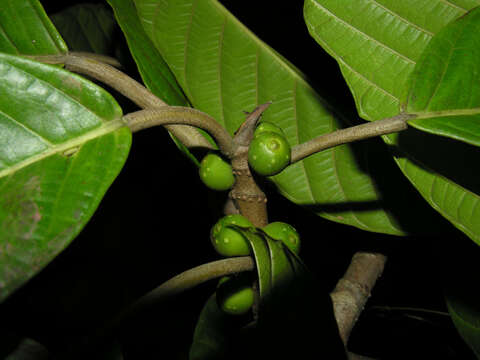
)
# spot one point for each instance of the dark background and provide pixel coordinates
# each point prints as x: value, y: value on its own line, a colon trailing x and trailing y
x: 154, y: 222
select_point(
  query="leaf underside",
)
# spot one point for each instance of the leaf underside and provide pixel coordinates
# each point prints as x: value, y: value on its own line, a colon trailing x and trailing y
x: 444, y: 89
x: 376, y: 63
x: 225, y: 70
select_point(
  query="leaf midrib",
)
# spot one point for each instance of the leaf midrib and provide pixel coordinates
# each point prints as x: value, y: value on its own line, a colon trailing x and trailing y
x: 105, y: 128
x: 445, y: 113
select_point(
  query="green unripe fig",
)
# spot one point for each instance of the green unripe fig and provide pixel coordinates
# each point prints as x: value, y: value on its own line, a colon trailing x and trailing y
x: 216, y: 173
x: 227, y: 241
x: 235, y: 295
x: 284, y: 232
x: 269, y: 153
x: 268, y: 126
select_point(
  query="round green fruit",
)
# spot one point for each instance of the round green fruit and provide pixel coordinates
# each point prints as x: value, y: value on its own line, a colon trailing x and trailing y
x: 226, y: 240
x: 284, y: 232
x: 216, y: 173
x: 269, y: 153
x: 268, y: 126
x: 235, y: 295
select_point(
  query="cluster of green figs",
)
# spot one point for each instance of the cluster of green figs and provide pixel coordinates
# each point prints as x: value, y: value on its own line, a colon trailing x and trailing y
x: 235, y: 294
x: 268, y: 154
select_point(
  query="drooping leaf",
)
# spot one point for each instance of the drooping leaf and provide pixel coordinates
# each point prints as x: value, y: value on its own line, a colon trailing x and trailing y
x: 62, y: 143
x: 440, y: 169
x: 444, y: 89
x: 377, y: 44
x: 225, y: 70
x: 376, y: 62
x: 26, y: 29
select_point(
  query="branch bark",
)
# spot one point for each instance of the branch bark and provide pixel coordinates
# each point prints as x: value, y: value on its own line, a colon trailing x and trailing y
x: 165, y: 115
x: 354, y: 288
x: 350, y: 134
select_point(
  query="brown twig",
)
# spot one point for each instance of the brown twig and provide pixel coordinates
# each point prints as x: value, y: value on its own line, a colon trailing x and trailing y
x: 350, y: 134
x: 166, y: 115
x: 353, y: 290
x: 190, y: 279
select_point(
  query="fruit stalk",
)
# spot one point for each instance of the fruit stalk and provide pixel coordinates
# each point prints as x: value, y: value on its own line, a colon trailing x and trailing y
x: 247, y: 196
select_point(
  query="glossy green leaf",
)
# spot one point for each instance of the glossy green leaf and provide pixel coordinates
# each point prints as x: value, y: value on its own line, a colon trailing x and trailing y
x: 377, y: 43
x: 225, y: 70
x: 62, y: 143
x: 376, y: 62
x: 444, y: 89
x: 26, y: 29
x: 87, y: 27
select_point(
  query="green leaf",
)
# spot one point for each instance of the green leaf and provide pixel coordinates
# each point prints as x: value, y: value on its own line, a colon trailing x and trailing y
x: 290, y: 305
x: 87, y: 27
x: 263, y: 262
x: 377, y: 44
x: 62, y: 143
x: 26, y: 29
x: 225, y: 70
x: 440, y: 169
x: 444, y: 89
x: 376, y: 63
x: 152, y: 67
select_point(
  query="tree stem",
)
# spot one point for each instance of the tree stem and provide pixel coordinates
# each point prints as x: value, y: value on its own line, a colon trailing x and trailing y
x: 350, y: 134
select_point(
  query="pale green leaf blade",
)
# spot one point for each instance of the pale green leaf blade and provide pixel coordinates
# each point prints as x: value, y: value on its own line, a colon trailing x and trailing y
x: 26, y: 29
x: 444, y: 89
x: 62, y: 143
x: 225, y: 70
x: 377, y: 43
x: 440, y: 169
